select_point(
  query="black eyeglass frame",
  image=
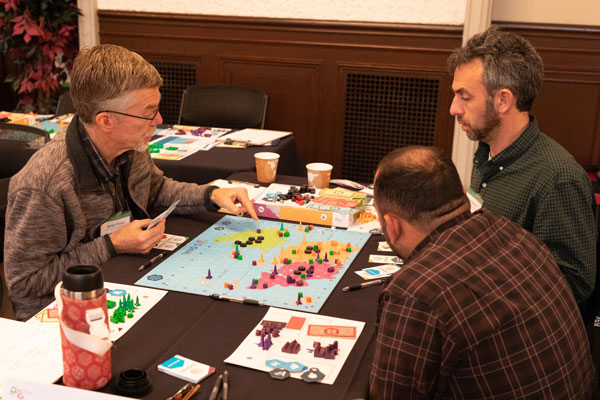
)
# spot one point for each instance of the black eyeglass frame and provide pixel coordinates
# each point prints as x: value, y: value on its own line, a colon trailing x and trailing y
x: 130, y: 115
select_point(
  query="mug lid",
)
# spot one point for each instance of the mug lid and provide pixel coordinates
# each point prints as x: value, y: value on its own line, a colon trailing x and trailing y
x: 83, y: 278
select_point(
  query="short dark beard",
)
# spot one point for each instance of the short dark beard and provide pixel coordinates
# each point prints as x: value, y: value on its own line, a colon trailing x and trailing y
x: 491, y: 121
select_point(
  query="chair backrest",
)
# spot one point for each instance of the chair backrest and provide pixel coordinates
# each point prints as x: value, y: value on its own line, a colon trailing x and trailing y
x: 65, y: 104
x: 223, y: 106
x: 17, y: 145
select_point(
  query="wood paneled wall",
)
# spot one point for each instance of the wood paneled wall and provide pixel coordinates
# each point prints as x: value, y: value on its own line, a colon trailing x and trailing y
x: 568, y: 105
x: 351, y: 92
x: 304, y: 66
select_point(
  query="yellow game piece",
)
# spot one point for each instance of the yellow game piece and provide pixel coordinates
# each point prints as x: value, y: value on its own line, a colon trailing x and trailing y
x: 262, y: 259
x: 300, y: 226
x: 274, y: 260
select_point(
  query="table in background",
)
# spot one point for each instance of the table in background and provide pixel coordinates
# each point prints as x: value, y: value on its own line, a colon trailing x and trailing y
x: 220, y: 162
x: 208, y: 331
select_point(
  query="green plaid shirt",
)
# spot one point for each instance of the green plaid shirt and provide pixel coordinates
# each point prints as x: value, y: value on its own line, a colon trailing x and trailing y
x: 536, y: 183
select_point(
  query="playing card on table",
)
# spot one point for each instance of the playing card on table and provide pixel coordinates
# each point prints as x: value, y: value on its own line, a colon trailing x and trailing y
x: 384, y: 246
x: 376, y: 258
x: 332, y: 331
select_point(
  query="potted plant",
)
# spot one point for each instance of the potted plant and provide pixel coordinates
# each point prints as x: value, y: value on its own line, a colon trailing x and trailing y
x: 40, y: 39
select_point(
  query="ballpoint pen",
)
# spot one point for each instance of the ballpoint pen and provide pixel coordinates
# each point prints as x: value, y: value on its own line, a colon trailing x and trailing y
x: 216, y: 388
x: 364, y: 285
x: 190, y: 393
x: 182, y: 392
x: 151, y: 261
x: 237, y: 300
x: 225, y: 391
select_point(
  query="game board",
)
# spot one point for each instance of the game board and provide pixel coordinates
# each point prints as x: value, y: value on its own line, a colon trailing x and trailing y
x: 278, y: 270
x: 267, y: 347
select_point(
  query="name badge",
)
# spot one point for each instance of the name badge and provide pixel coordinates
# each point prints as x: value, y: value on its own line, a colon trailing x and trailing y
x: 115, y: 222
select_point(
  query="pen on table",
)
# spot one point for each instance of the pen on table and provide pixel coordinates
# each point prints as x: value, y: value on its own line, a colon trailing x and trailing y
x: 216, y: 388
x: 189, y: 394
x: 364, y: 285
x: 181, y: 392
x: 225, y: 392
x: 151, y: 261
x: 236, y: 300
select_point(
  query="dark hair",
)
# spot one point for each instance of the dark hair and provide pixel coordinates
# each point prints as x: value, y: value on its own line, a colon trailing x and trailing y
x: 419, y: 184
x: 509, y: 61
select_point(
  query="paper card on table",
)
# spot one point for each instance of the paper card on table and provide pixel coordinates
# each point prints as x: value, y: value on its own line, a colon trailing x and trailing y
x: 186, y: 369
x: 296, y: 323
x: 332, y: 331
x: 384, y: 246
x: 251, y: 353
x: 380, y: 271
x: 170, y: 242
x: 378, y: 259
x: 163, y: 215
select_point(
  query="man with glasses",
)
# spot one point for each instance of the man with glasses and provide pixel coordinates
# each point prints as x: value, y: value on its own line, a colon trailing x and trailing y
x: 86, y: 196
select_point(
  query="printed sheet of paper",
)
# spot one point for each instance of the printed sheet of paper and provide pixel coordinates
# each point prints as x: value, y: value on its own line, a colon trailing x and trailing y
x: 379, y: 259
x: 170, y: 242
x: 15, y: 388
x: 141, y: 299
x: 30, y: 351
x: 295, y: 327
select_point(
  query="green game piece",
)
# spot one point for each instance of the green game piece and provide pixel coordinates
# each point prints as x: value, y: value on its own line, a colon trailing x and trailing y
x: 310, y: 260
x: 306, y: 230
x: 130, y: 315
x: 330, y: 252
x: 349, y: 249
x: 281, y: 229
x: 302, y: 275
x: 110, y: 304
x: 287, y: 234
x: 293, y: 251
x: 137, y: 301
x: 320, y: 261
x: 236, y: 249
x: 256, y: 281
x: 240, y: 257
x: 300, y: 294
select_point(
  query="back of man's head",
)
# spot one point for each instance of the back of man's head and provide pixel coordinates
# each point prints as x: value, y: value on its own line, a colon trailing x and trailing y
x: 419, y: 184
x: 509, y: 61
x: 103, y: 74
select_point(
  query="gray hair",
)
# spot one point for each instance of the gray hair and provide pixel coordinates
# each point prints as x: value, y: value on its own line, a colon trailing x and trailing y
x: 103, y: 77
x: 509, y: 61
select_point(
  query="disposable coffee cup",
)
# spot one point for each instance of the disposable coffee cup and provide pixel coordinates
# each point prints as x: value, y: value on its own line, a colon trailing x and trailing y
x: 266, y: 166
x: 318, y: 175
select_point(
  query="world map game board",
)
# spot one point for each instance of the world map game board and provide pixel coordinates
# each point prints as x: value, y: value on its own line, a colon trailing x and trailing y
x: 287, y: 265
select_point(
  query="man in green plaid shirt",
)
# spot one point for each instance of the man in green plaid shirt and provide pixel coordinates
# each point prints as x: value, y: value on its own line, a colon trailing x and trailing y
x: 518, y: 171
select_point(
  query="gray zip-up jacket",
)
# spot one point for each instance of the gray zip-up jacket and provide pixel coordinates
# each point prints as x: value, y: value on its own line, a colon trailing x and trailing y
x: 56, y: 205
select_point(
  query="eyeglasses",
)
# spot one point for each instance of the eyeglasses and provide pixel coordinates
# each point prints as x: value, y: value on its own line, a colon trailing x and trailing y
x: 131, y: 115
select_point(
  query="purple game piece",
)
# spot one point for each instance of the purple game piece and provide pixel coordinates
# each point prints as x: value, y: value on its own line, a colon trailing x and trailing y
x: 290, y: 280
x: 254, y: 262
x: 330, y: 269
x: 275, y: 269
x: 230, y: 287
x: 326, y: 259
x: 291, y: 347
x: 209, y: 276
x: 299, y: 302
x: 265, y: 285
x: 299, y: 282
x: 258, y: 231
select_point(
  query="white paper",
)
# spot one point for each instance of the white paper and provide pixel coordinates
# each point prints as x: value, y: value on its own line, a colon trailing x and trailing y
x: 380, y: 271
x: 30, y: 351
x: 250, y: 355
x: 257, y: 137
x: 147, y: 299
x: 15, y: 388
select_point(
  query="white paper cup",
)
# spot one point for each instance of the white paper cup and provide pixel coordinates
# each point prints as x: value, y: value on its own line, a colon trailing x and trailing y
x: 266, y: 166
x: 318, y: 175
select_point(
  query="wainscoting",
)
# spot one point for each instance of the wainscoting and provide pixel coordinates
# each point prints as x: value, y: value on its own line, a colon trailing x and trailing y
x: 351, y: 92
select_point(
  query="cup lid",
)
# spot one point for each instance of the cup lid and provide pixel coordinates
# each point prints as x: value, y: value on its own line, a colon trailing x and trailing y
x: 83, y: 278
x: 319, y: 166
x: 266, y: 155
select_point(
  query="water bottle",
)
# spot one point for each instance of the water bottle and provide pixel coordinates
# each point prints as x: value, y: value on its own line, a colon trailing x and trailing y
x: 84, y: 328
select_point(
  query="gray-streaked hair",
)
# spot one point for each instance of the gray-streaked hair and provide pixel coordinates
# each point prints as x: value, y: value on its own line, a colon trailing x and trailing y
x: 509, y: 61
x: 103, y: 75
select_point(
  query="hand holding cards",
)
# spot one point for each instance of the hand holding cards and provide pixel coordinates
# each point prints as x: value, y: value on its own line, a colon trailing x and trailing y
x: 163, y: 215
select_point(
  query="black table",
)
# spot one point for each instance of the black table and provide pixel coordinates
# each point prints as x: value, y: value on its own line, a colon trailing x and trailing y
x: 220, y: 162
x: 208, y: 331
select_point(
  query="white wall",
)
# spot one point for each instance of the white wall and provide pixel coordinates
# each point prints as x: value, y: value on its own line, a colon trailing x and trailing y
x: 442, y: 12
x: 574, y: 12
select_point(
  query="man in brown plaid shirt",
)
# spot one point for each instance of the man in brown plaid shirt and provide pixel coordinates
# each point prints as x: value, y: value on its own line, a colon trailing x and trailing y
x: 480, y: 308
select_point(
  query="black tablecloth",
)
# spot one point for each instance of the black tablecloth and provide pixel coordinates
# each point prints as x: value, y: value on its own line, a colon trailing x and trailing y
x: 208, y: 331
x: 220, y: 162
